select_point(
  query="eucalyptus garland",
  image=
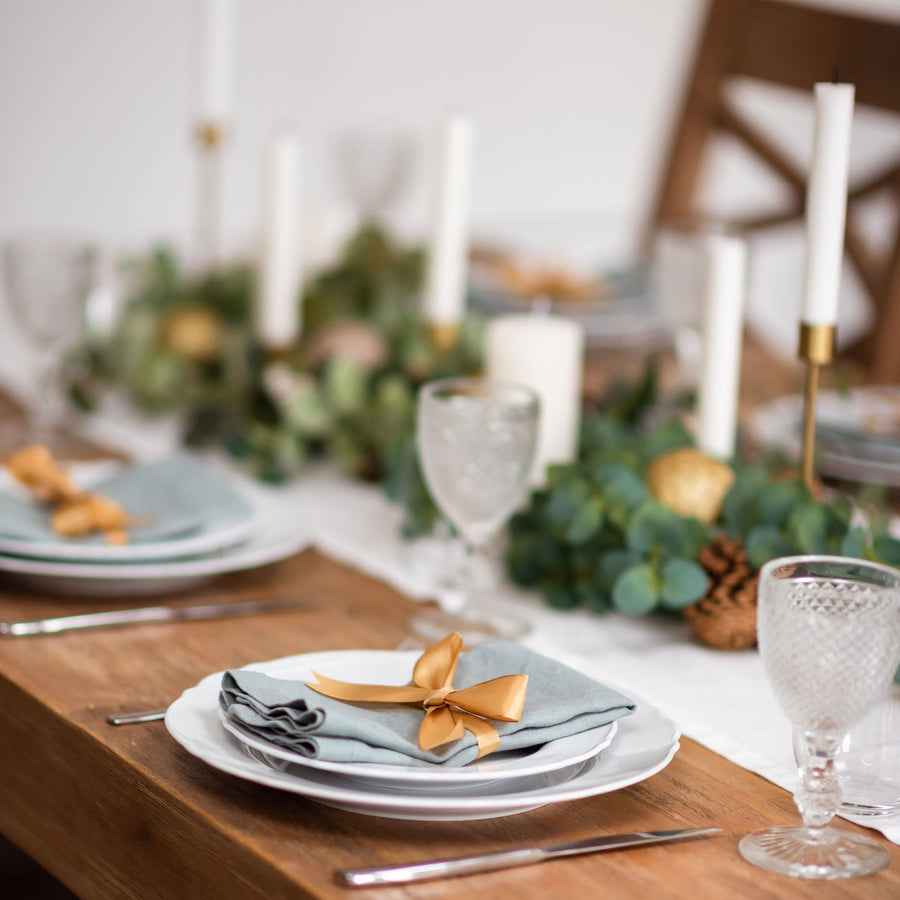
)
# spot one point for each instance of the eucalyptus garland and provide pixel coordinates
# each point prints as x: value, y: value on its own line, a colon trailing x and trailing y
x: 347, y: 390
x: 597, y: 536
x: 600, y: 533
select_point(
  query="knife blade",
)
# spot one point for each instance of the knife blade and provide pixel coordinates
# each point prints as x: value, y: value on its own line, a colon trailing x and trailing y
x: 150, y: 614
x: 505, y: 859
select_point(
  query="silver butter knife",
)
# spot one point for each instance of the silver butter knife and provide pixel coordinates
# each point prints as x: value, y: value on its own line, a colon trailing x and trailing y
x: 150, y: 614
x: 505, y: 859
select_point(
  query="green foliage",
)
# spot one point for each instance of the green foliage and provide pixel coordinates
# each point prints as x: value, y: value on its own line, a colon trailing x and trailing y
x: 276, y: 418
x: 593, y: 536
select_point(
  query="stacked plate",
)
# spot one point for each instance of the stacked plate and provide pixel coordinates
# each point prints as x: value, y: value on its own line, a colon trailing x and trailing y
x: 192, y: 523
x: 857, y: 432
x: 593, y: 762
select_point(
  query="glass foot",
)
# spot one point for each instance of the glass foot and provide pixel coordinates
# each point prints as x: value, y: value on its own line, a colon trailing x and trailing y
x: 475, y: 628
x: 836, y: 854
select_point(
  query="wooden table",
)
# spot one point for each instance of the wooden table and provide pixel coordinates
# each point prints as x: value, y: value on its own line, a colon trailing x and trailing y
x: 126, y: 812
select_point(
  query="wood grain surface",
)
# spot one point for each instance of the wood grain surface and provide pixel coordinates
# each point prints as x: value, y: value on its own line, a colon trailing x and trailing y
x: 127, y: 813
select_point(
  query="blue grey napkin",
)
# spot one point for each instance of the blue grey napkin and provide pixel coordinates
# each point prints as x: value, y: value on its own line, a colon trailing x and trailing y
x: 559, y: 702
x: 177, y: 495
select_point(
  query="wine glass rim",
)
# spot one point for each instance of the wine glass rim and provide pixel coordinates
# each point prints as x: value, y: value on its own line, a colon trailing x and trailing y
x: 433, y: 387
x: 769, y: 568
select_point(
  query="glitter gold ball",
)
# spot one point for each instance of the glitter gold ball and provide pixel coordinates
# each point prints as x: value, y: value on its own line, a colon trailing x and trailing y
x: 690, y: 483
x: 194, y: 332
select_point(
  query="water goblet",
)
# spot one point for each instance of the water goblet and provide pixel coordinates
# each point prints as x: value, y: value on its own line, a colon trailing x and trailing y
x: 829, y: 636
x: 375, y: 167
x: 47, y: 284
x: 476, y: 442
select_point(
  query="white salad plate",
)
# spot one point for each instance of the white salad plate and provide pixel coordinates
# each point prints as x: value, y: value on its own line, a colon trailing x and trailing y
x: 396, y: 667
x: 644, y: 744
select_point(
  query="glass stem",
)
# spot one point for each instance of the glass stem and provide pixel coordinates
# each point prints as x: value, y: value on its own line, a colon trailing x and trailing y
x: 478, y: 573
x: 819, y: 794
x: 45, y: 408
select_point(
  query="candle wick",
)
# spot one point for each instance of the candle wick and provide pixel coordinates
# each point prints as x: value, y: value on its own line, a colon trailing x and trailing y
x: 834, y: 76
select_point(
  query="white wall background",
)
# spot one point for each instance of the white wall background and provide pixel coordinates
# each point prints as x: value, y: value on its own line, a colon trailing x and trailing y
x: 572, y: 99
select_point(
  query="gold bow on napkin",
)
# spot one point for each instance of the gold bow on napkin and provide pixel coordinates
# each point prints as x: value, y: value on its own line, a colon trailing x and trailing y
x: 449, y: 713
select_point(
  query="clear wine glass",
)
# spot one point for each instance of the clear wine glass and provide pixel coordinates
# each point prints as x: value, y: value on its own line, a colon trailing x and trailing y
x: 476, y: 442
x: 829, y: 636
x: 375, y: 167
x: 47, y: 284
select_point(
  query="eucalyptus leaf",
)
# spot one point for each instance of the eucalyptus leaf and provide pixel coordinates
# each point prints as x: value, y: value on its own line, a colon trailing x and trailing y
x: 683, y: 582
x: 777, y: 501
x: 855, y: 542
x: 636, y: 590
x: 887, y: 549
x: 560, y: 595
x: 807, y: 527
x: 765, y: 542
x: 567, y: 502
x: 647, y: 526
x: 586, y: 522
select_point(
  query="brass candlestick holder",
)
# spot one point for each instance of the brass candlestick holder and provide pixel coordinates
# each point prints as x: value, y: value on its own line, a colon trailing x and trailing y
x: 816, y: 347
x: 444, y: 335
x: 210, y: 142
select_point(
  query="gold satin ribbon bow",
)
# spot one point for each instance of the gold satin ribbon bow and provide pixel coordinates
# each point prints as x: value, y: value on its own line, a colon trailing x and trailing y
x: 449, y: 713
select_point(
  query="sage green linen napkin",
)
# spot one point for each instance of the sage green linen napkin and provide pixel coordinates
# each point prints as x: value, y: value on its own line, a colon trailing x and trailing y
x: 559, y: 702
x: 175, y: 496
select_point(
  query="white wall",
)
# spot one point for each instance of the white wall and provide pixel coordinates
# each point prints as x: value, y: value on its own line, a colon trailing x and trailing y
x: 571, y: 99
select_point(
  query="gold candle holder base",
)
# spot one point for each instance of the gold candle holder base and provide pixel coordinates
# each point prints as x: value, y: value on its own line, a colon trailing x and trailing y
x: 273, y: 355
x: 816, y: 347
x: 444, y: 336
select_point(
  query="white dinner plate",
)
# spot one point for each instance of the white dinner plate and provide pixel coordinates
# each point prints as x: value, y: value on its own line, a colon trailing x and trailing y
x: 645, y: 743
x: 193, y: 508
x: 276, y: 538
x: 396, y: 667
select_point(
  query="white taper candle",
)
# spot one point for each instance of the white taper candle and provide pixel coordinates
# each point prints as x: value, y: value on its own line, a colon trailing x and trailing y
x: 216, y: 59
x: 445, y: 281
x: 720, y: 367
x: 826, y: 203
x: 277, y: 310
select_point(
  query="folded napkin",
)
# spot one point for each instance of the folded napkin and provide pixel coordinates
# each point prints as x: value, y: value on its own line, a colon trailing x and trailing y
x: 170, y: 498
x: 559, y: 702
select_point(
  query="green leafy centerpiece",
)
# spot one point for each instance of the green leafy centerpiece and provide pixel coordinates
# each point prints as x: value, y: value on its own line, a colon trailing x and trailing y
x: 643, y: 522
x: 640, y: 523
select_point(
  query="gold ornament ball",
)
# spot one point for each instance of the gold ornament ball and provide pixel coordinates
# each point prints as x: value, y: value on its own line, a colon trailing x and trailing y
x: 194, y: 332
x: 690, y: 483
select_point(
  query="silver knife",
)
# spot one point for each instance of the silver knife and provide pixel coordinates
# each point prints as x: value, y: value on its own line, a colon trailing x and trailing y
x: 505, y: 859
x: 150, y: 614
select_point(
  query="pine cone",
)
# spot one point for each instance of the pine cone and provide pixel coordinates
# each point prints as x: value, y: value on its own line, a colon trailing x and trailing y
x: 725, y: 617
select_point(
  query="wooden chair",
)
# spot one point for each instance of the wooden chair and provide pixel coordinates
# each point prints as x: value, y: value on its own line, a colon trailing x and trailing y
x: 793, y: 46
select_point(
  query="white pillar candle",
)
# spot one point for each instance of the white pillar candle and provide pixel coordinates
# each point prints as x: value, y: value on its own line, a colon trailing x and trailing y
x: 445, y: 280
x: 720, y: 367
x: 277, y: 309
x: 826, y: 203
x: 216, y: 59
x: 545, y: 353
